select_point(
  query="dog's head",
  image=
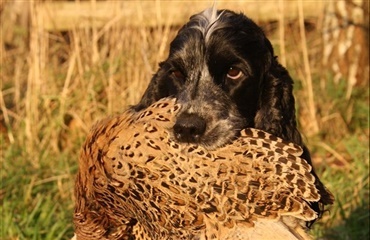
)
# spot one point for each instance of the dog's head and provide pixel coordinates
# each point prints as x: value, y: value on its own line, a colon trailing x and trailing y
x: 221, y: 68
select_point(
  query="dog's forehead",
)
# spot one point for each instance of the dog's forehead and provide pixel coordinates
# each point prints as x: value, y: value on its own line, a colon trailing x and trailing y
x: 214, y: 26
x: 215, y: 37
x: 211, y: 20
x: 200, y: 27
x: 206, y: 22
x: 193, y: 38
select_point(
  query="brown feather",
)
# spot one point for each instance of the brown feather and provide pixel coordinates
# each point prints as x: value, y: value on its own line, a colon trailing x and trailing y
x: 134, y: 180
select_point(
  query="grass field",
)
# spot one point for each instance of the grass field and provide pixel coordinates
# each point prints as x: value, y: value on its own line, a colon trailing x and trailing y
x: 55, y: 85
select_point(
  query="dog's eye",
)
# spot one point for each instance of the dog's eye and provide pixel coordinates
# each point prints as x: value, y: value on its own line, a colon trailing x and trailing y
x: 178, y: 74
x: 234, y: 73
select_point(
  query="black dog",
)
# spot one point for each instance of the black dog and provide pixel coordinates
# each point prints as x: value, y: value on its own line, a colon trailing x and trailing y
x: 222, y: 68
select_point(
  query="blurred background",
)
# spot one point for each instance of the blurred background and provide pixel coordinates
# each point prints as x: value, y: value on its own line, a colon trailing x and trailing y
x: 66, y: 64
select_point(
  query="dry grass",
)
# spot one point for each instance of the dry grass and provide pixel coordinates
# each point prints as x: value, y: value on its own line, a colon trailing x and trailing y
x: 54, y: 85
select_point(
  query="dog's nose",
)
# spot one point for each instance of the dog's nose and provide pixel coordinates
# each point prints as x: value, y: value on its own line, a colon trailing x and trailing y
x: 189, y: 127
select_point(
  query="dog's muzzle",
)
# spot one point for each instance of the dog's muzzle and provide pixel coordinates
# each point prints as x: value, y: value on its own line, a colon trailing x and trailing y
x: 189, y: 128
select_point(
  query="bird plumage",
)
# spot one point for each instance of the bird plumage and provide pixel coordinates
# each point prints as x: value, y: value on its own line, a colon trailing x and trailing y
x: 135, y: 182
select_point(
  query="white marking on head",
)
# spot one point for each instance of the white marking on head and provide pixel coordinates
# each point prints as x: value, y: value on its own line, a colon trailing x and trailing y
x: 207, y: 22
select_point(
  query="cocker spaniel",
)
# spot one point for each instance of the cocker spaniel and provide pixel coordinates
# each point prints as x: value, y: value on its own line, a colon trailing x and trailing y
x: 222, y: 69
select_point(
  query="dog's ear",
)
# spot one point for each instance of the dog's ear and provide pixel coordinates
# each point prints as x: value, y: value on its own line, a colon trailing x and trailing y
x: 160, y: 86
x: 276, y: 104
x: 276, y: 115
x: 151, y: 94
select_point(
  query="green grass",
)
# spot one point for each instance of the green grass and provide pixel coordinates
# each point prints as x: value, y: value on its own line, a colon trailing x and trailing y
x: 36, y: 200
x: 347, y: 178
x: 348, y: 218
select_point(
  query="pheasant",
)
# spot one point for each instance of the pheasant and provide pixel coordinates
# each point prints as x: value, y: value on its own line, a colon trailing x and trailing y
x: 136, y: 182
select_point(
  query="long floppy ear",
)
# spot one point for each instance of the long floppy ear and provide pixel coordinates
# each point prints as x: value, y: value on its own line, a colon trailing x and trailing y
x: 150, y: 95
x: 158, y: 88
x: 276, y: 115
x: 276, y: 105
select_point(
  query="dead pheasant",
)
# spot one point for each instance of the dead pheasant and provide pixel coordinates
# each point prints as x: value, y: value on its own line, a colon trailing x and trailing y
x: 135, y: 182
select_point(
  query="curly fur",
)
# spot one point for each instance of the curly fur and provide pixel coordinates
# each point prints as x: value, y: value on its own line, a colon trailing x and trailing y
x: 216, y: 106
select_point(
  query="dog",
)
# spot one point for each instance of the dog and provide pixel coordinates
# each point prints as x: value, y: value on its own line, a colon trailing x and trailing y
x: 222, y: 69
